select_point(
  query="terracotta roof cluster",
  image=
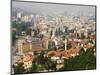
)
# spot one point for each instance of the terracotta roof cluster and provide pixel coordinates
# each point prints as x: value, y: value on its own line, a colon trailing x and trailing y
x: 54, y: 53
x: 66, y: 53
x: 83, y: 42
x: 27, y: 57
x: 74, y: 44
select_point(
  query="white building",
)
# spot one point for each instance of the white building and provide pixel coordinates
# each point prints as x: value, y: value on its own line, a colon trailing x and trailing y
x: 19, y: 15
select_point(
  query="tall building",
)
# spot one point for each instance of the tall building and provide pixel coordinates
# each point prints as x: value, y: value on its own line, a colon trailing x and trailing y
x: 19, y: 15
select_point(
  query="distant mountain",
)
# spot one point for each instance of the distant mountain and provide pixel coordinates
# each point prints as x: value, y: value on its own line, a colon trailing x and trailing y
x: 16, y: 10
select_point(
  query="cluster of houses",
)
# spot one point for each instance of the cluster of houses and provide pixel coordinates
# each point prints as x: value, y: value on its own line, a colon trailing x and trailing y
x: 55, y: 46
x: 26, y: 50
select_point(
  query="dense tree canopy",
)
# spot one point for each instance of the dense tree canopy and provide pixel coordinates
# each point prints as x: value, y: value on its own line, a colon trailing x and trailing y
x: 85, y: 60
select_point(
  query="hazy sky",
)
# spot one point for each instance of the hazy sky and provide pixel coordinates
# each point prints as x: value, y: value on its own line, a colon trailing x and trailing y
x: 54, y: 8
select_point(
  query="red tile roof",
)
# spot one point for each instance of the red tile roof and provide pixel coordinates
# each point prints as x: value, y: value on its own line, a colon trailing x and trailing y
x: 66, y: 53
x: 51, y: 53
x: 27, y: 57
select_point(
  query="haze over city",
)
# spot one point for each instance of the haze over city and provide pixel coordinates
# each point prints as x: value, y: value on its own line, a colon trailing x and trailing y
x: 48, y: 8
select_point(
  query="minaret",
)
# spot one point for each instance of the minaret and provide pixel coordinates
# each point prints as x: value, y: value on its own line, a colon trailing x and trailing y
x: 34, y: 23
x: 65, y: 44
x: 53, y: 35
x: 30, y: 45
x: 47, y: 44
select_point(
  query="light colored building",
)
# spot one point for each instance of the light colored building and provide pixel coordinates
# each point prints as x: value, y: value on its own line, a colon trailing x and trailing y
x: 23, y: 46
x: 19, y: 44
x: 19, y: 15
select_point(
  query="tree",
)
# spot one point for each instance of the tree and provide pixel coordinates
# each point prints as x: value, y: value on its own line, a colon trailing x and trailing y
x: 68, y: 46
x: 19, y: 69
x: 64, y: 36
x: 82, y: 36
x: 51, y: 33
x: 20, y: 26
x: 28, y: 32
x: 85, y: 60
x: 50, y: 65
x: 78, y: 36
x: 13, y: 37
x: 56, y: 32
x: 66, y: 29
x: 14, y: 24
x: 40, y: 58
x: 34, y: 66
